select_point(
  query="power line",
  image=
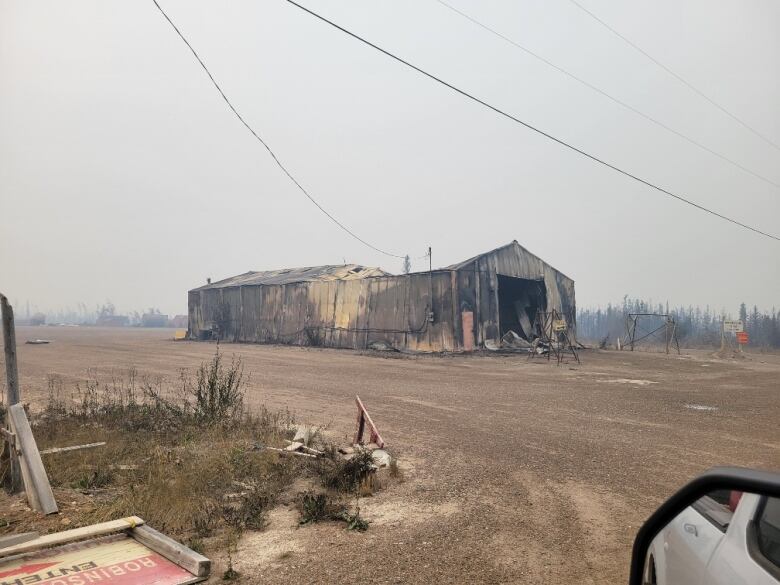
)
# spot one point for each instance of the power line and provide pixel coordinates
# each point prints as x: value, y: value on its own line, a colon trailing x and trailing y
x: 676, y: 76
x: 608, y: 96
x: 529, y: 126
x: 265, y: 144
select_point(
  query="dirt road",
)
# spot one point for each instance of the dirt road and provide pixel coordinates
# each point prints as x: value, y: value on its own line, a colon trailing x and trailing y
x: 516, y: 471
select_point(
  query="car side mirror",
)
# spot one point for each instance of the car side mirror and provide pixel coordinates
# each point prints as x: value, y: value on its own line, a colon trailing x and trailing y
x: 722, y: 527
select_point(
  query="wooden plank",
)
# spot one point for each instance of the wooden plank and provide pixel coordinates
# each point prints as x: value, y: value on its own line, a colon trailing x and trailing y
x: 286, y: 452
x: 73, y: 448
x: 363, y: 418
x: 57, y: 538
x: 294, y: 446
x: 175, y: 552
x: 13, y: 539
x: 36, y: 482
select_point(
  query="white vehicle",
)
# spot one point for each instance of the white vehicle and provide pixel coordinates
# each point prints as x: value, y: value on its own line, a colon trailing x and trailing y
x: 724, y: 538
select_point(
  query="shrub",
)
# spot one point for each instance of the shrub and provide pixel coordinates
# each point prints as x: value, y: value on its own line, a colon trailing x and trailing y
x: 346, y: 475
x: 218, y: 392
x: 316, y: 507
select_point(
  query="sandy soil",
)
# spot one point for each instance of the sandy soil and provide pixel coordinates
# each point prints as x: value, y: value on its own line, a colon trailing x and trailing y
x: 516, y: 471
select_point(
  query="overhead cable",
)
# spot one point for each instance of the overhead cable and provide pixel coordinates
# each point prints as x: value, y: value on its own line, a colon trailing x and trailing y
x: 531, y: 127
x: 679, y: 78
x: 608, y: 96
x: 267, y: 147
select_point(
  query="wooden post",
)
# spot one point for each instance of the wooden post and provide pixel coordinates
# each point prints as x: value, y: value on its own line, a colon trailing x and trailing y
x: 674, y: 336
x: 12, y: 383
x: 9, y: 340
x: 666, y: 335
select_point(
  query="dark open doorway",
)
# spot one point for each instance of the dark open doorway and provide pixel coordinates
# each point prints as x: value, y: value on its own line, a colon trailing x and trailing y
x: 518, y: 301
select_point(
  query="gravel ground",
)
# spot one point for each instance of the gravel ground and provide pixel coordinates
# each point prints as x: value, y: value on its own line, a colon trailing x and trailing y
x: 515, y: 471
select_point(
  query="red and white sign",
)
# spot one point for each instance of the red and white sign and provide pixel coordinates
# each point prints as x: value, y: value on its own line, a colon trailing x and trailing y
x: 112, y: 560
x: 742, y: 337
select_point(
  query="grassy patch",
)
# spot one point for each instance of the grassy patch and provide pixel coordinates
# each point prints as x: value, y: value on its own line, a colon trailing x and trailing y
x: 185, y: 456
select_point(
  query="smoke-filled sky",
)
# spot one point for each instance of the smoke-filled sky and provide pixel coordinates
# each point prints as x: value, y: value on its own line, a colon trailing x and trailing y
x: 124, y: 176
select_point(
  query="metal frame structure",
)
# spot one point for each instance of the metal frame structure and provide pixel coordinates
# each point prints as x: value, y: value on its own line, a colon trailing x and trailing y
x: 557, y: 340
x: 669, y: 328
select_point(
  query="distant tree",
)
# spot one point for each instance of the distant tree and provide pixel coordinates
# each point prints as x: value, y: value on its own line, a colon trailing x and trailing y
x: 696, y: 326
x: 37, y: 319
x: 407, y: 264
x: 106, y: 310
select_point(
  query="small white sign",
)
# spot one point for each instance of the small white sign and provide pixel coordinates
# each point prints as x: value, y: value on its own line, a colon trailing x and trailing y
x: 733, y: 326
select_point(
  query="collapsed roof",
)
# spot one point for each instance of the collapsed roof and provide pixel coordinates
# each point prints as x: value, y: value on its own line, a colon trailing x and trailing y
x: 294, y: 275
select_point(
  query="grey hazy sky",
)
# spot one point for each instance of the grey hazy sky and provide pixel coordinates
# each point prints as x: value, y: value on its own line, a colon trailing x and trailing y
x: 123, y: 176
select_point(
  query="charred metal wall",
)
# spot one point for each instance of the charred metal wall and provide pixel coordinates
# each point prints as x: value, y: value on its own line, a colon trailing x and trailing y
x: 478, y: 287
x: 337, y: 313
x: 391, y: 309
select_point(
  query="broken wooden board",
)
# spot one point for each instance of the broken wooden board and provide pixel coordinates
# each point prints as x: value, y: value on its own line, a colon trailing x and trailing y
x: 363, y: 420
x: 295, y: 446
x: 72, y: 535
x: 72, y: 448
x: 14, y: 539
x: 174, y: 551
x: 286, y: 452
x: 36, y: 482
x: 117, y: 559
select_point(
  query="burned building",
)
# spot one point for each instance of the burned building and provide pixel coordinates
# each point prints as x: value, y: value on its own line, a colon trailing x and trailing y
x: 468, y: 305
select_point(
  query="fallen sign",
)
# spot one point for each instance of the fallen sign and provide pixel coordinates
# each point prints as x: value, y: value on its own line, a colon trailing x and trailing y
x: 120, y: 552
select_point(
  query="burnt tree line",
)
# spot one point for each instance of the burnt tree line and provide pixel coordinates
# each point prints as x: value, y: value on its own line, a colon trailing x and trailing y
x: 696, y: 326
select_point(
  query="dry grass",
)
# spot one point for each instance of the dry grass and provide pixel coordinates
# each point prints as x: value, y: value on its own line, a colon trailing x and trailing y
x: 185, y: 456
x: 189, y: 459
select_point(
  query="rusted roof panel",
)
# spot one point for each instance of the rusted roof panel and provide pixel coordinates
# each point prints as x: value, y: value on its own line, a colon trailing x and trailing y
x: 293, y: 275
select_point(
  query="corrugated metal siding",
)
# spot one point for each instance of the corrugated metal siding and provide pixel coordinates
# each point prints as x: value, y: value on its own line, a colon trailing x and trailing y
x: 350, y: 313
x: 516, y: 261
